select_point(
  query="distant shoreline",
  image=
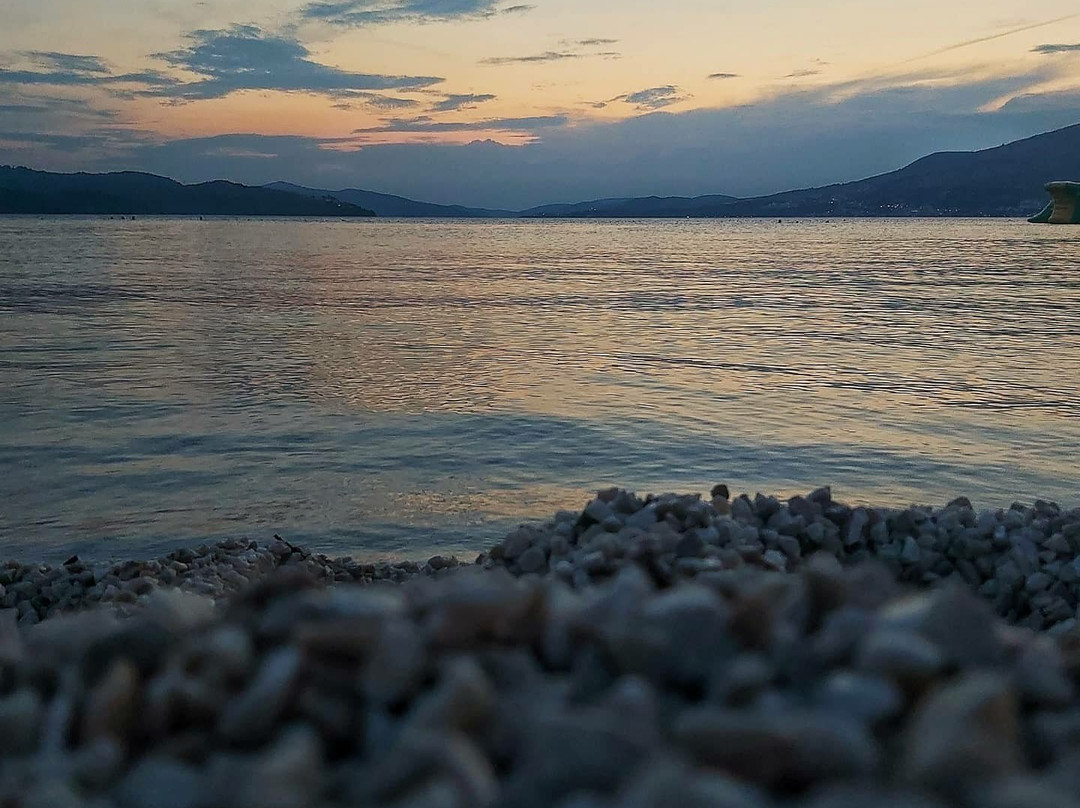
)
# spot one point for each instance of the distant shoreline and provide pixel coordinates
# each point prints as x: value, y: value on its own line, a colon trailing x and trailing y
x: 329, y: 218
x: 1003, y: 182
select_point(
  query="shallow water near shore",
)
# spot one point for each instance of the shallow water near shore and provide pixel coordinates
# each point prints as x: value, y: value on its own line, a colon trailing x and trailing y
x: 397, y: 387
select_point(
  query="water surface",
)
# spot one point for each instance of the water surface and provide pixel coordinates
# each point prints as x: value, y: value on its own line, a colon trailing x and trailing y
x: 402, y: 386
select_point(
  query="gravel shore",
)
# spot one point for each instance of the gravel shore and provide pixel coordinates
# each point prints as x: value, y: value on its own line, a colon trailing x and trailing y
x: 640, y: 653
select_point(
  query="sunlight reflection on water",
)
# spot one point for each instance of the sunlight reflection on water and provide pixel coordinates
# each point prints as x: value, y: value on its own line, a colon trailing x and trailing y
x: 397, y: 386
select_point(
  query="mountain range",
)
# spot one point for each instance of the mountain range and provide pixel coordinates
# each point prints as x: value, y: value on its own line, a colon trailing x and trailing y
x: 23, y: 190
x: 390, y: 205
x: 1007, y: 180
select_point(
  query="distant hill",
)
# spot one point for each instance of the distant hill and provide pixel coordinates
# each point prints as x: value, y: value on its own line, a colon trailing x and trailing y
x: 640, y: 207
x: 23, y: 190
x: 390, y: 205
x: 630, y: 207
x: 596, y: 207
x: 1007, y: 180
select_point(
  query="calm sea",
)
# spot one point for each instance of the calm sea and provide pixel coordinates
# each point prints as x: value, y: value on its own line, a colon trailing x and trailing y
x: 396, y: 387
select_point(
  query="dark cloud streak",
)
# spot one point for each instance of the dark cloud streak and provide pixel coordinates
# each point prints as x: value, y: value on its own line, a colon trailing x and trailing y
x: 548, y: 57
x: 649, y: 100
x: 424, y: 123
x: 1049, y: 49
x: 244, y: 57
x: 455, y: 102
x: 366, y: 13
x: 68, y: 61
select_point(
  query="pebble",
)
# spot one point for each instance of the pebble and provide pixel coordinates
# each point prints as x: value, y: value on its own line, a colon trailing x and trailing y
x: 642, y: 653
x: 252, y: 715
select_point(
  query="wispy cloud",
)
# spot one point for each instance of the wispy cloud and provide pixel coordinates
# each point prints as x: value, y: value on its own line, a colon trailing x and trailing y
x: 979, y: 40
x: 455, y: 102
x: 375, y: 101
x: 802, y: 135
x: 424, y: 123
x: 75, y: 70
x: 549, y: 56
x: 105, y: 138
x: 802, y: 74
x: 595, y: 42
x: 650, y: 99
x: 35, y: 104
x: 244, y: 57
x: 363, y: 13
x: 1074, y: 48
x: 723, y: 76
x: 68, y: 61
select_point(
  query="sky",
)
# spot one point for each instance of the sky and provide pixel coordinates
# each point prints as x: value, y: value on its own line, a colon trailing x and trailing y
x: 512, y: 103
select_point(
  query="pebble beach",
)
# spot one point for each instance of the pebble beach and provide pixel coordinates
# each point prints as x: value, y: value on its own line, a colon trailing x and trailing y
x: 643, y: 652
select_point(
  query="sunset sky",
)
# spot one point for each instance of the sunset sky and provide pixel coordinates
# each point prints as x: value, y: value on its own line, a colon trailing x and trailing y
x: 509, y: 104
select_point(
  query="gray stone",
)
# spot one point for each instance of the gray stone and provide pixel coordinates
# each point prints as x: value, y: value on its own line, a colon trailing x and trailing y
x: 690, y: 545
x: 161, y: 783
x: 868, y: 699
x: 868, y: 796
x: 856, y: 527
x: 964, y: 734
x: 463, y: 700
x: 568, y: 753
x: 598, y: 511
x: 903, y: 657
x: 251, y: 716
x: 110, y: 709
x: 790, y: 750
x: 533, y: 560
x: 517, y: 543
x: 418, y: 760
x: 1040, y: 676
x: 1026, y: 792
x: 288, y: 774
x: 21, y: 716
x: 643, y: 519
x: 669, y: 784
x: 911, y: 552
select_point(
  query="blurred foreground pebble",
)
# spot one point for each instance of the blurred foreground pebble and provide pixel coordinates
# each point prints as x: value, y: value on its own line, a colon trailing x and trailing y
x: 641, y: 653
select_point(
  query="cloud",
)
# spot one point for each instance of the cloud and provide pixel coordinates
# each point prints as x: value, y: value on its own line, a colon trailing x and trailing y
x: 455, y: 102
x: 805, y: 134
x: 653, y: 98
x: 596, y: 42
x: 41, y: 107
x: 424, y: 123
x: 244, y: 57
x: 68, y: 61
x: 802, y: 74
x: 375, y: 101
x: 798, y: 137
x: 111, y: 139
x: 1047, y: 49
x: 548, y: 56
x: 723, y: 76
x: 1031, y: 26
x: 362, y: 13
x: 73, y: 70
